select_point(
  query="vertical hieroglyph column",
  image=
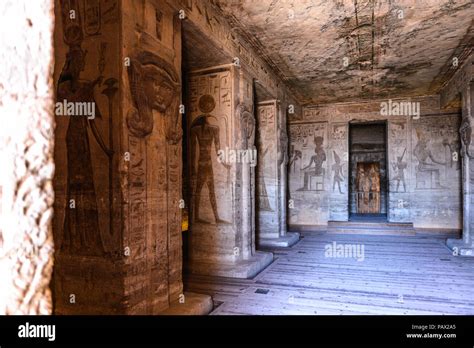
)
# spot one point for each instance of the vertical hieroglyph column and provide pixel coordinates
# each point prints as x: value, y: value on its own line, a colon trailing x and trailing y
x: 26, y: 153
x: 222, y: 155
x: 272, y: 144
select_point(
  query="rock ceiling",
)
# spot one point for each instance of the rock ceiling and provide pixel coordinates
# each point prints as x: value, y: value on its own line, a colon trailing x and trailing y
x: 343, y: 50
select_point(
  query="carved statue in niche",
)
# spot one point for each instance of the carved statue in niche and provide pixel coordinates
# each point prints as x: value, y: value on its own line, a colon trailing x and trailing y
x: 204, y: 134
x: 399, y: 169
x: 427, y: 163
x: 337, y: 168
x: 81, y: 224
x: 154, y: 86
x: 317, y: 171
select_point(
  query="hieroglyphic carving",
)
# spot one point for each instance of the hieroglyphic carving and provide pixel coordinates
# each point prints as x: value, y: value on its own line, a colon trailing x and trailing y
x: 145, y: 72
x: 340, y: 156
x: 153, y: 85
x: 209, y: 131
x: 436, y: 153
x: 205, y: 135
x: 82, y: 235
x: 317, y: 171
x: 428, y: 170
x: 307, y: 164
x: 266, y: 166
x: 398, y: 155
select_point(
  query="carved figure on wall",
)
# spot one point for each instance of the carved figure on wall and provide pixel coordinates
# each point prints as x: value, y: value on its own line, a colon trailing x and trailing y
x: 399, y: 169
x: 318, y: 159
x: 81, y: 224
x: 337, y: 168
x: 154, y: 85
x: 452, y: 147
x: 466, y: 132
x: 263, y: 201
x: 265, y: 140
x: 295, y: 155
x: 248, y: 127
x: 282, y: 147
x: 427, y: 163
x: 204, y: 134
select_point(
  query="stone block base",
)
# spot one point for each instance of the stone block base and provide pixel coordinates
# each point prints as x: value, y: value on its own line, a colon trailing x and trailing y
x: 241, y: 269
x: 460, y: 247
x: 288, y: 240
x: 191, y: 304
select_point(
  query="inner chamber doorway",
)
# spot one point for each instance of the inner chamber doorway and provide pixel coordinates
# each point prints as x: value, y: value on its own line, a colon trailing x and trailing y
x: 368, y: 171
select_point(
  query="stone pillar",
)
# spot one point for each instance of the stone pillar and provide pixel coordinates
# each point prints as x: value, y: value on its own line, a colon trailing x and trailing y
x: 465, y: 246
x: 338, y: 172
x: 26, y: 142
x: 272, y: 144
x: 222, y: 155
x: 118, y: 218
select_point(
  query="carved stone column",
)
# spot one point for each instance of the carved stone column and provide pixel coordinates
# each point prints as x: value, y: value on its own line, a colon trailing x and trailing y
x: 465, y: 246
x: 221, y: 133
x: 119, y: 177
x: 271, y: 200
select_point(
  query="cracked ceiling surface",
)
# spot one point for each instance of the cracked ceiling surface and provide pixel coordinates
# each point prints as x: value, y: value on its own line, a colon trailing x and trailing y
x: 344, y: 50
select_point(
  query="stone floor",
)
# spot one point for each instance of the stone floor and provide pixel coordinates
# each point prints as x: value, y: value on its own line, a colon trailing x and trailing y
x: 398, y: 275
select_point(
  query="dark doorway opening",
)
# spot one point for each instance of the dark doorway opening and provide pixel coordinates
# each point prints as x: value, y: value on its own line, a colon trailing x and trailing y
x: 368, y: 171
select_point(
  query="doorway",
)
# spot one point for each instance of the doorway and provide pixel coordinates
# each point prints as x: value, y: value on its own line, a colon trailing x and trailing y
x: 368, y: 171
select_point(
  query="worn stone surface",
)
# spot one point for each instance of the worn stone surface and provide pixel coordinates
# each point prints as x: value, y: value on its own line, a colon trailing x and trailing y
x: 26, y: 142
x: 343, y: 50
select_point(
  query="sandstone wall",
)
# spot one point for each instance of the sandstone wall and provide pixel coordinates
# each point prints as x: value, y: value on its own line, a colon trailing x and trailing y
x: 26, y: 142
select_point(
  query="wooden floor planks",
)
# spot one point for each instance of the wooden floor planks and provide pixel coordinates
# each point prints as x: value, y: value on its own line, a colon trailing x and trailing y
x: 398, y: 275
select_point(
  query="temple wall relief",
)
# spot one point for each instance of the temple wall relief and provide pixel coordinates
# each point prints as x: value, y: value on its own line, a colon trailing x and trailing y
x: 422, y: 159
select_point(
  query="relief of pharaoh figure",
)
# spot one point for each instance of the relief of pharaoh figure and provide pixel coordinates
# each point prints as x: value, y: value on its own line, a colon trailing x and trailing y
x: 399, y: 169
x: 337, y: 168
x: 318, y: 160
x: 204, y: 134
